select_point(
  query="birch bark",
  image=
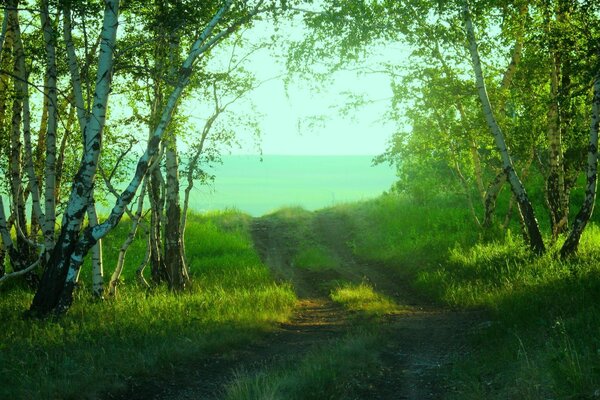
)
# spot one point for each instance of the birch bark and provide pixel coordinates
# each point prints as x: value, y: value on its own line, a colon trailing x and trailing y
x: 97, y: 261
x: 583, y: 216
x: 174, y: 257
x: 20, y: 258
x: 135, y: 222
x: 48, y: 228
x: 535, y: 237
x: 73, y: 244
x: 58, y: 280
x: 3, y: 29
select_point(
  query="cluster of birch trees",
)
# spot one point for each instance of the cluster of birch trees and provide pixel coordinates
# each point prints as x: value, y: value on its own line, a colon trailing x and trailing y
x: 494, y: 94
x: 65, y: 141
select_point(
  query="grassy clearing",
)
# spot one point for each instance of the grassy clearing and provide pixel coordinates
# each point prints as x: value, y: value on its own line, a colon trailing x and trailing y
x: 98, y: 345
x: 332, y: 371
x: 543, y: 337
x: 362, y: 298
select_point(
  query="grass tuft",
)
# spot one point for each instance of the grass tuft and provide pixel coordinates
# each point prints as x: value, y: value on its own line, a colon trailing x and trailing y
x: 362, y: 298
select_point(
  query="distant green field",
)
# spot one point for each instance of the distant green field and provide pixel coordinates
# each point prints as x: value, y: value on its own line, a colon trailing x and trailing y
x: 312, y: 182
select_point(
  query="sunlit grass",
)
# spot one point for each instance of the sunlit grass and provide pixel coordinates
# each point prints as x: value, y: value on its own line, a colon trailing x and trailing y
x: 543, y: 333
x: 362, y: 298
x: 98, y: 345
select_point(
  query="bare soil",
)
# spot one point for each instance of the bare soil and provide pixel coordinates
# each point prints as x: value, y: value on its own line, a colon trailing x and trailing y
x: 421, y: 344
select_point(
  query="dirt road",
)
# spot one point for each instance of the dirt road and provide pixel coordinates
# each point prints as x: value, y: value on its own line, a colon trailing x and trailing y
x: 421, y: 343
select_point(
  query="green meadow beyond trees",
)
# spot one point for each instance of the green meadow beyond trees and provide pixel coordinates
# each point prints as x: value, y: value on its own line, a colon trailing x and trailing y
x: 474, y: 275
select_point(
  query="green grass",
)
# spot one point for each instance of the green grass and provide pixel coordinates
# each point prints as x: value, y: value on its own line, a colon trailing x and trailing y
x: 331, y: 371
x: 541, y: 336
x: 362, y: 298
x: 97, y: 346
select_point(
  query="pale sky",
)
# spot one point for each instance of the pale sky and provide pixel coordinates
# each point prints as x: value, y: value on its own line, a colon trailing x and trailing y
x: 286, y: 124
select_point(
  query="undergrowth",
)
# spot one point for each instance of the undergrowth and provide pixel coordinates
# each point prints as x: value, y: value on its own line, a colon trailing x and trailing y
x: 99, y: 345
x: 542, y: 339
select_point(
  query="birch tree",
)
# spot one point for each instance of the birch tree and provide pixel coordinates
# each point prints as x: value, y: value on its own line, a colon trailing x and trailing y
x: 583, y: 216
x: 55, y: 293
x: 533, y: 230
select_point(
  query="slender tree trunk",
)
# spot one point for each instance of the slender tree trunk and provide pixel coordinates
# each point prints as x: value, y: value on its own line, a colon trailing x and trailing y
x: 536, y: 241
x: 50, y: 157
x: 60, y: 161
x: 583, y: 216
x: 491, y: 195
x: 156, y: 197
x: 3, y: 29
x: 7, y: 243
x: 555, y: 184
x: 135, y: 222
x: 174, y: 255
x: 20, y: 259
x: 5, y: 64
x: 97, y: 260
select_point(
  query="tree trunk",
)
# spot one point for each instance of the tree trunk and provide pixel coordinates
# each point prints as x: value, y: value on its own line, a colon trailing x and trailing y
x: 156, y: 197
x: 555, y: 184
x: 22, y: 254
x: 583, y: 216
x: 50, y: 158
x: 536, y: 241
x: 97, y: 261
x: 491, y: 195
x: 174, y: 254
x: 58, y: 281
x: 135, y: 222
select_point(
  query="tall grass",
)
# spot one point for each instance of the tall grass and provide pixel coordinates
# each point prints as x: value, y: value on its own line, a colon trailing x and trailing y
x: 97, y: 346
x: 542, y: 339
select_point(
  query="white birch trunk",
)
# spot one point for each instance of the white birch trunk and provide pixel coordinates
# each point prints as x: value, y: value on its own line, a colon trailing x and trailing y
x: 92, y: 136
x: 74, y: 68
x: 174, y: 259
x: 55, y: 290
x: 78, y: 200
x: 135, y: 222
x: 97, y: 259
x: 19, y: 258
x: 3, y: 29
x: 48, y: 228
x: 23, y: 93
x: 535, y: 237
x: 7, y: 242
x: 583, y: 216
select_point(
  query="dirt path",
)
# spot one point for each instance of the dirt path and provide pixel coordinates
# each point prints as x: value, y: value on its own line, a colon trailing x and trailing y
x: 420, y: 343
